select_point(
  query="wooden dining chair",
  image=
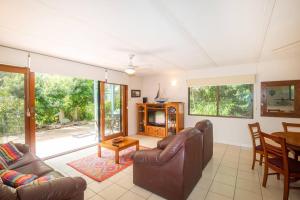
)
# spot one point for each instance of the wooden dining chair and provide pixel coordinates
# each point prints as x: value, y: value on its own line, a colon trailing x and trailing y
x: 292, y: 127
x: 254, y: 130
x: 276, y: 158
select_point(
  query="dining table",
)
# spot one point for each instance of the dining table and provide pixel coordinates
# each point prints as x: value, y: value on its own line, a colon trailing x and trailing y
x: 292, y: 139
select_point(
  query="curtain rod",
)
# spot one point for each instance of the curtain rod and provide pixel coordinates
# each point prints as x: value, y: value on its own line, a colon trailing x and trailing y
x: 61, y: 58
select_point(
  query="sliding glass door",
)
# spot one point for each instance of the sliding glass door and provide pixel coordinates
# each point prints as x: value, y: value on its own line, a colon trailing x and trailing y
x: 113, y: 111
x: 15, y: 106
x: 66, y: 114
x: 58, y: 114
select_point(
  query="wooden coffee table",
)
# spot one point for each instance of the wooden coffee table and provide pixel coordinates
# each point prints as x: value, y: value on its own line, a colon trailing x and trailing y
x: 108, y: 144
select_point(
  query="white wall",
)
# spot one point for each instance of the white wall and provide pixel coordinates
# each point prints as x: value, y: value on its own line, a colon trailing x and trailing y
x: 135, y: 83
x: 50, y: 65
x: 229, y: 130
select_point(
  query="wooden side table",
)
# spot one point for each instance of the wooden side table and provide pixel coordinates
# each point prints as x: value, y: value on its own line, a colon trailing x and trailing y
x: 108, y: 144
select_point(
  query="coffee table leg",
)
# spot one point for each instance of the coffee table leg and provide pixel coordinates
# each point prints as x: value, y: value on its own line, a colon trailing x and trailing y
x: 99, y: 151
x: 117, y: 157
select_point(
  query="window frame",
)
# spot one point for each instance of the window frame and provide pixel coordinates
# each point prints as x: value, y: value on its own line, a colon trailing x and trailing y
x: 29, y: 101
x: 218, y: 104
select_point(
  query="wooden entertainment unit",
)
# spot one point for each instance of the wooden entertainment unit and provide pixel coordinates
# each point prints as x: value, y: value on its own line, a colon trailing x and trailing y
x: 160, y: 119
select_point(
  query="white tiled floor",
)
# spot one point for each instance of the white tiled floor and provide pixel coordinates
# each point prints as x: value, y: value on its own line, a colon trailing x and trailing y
x: 227, y: 176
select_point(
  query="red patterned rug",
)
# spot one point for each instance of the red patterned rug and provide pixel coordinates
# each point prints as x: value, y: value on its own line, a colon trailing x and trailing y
x: 102, y: 168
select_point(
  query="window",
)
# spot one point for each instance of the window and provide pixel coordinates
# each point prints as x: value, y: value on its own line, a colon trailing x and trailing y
x: 222, y: 101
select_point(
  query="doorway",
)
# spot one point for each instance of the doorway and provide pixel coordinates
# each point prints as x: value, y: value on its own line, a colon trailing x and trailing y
x: 113, y: 110
x: 16, y: 105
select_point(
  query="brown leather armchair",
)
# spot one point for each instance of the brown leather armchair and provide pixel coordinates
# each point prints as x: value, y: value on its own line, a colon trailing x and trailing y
x: 206, y: 129
x: 61, y: 188
x: 174, y: 168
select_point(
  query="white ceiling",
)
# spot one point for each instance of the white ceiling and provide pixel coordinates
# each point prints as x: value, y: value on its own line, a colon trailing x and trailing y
x: 164, y: 35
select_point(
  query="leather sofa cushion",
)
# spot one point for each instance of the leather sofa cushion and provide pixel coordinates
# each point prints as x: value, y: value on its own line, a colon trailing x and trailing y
x: 24, y: 148
x: 56, y: 174
x: 162, y: 144
x: 203, y: 125
x: 65, y: 188
x: 7, y: 192
x: 26, y: 159
x: 37, y: 167
x: 176, y: 144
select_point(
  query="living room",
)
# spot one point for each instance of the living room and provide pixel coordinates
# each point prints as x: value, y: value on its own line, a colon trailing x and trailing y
x: 153, y: 70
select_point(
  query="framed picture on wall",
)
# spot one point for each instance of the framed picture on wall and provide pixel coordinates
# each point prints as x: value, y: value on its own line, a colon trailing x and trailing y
x: 135, y: 93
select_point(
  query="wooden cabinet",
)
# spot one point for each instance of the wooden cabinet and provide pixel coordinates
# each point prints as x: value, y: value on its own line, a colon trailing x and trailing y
x: 160, y: 120
x: 150, y: 130
x: 155, y: 131
x: 160, y: 132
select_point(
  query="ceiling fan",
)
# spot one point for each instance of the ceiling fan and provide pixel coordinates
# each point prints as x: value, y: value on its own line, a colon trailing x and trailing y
x: 130, y: 68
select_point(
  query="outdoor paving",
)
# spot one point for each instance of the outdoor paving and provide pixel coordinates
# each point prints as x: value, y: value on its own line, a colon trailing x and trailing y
x: 55, y: 141
x: 51, y: 142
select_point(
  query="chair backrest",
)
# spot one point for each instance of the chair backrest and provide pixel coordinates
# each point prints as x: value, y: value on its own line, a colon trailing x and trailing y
x: 254, y: 130
x: 291, y: 127
x: 275, y: 147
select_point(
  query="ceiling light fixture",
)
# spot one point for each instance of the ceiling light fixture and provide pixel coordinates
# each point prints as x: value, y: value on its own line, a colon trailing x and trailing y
x: 130, y: 69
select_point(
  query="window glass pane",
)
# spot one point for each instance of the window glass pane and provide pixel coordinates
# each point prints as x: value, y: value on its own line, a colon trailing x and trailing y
x: 235, y: 100
x: 12, y: 98
x: 203, y: 101
x: 112, y: 109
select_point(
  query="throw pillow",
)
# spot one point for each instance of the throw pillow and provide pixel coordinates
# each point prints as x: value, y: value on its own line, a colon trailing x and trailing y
x: 42, y: 179
x: 3, y: 164
x: 10, y: 152
x: 15, y: 179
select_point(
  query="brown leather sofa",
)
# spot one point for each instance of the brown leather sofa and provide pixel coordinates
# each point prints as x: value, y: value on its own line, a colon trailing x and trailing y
x: 173, y: 168
x: 61, y: 188
x: 206, y: 129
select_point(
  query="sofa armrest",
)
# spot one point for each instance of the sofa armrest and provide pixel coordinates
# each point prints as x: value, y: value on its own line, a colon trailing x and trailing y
x: 24, y: 148
x: 162, y: 144
x: 7, y: 193
x: 147, y: 157
x: 57, y: 189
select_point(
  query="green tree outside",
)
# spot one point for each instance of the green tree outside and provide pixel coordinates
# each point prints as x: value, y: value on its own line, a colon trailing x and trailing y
x: 226, y: 101
x: 54, y: 94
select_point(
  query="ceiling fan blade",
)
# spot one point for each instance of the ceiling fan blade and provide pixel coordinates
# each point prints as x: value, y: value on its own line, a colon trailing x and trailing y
x: 143, y: 52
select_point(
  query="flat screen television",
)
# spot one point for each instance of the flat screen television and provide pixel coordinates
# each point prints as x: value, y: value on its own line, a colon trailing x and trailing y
x: 156, y: 118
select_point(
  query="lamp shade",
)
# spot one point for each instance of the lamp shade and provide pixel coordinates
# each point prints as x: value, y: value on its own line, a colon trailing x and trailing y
x: 130, y: 70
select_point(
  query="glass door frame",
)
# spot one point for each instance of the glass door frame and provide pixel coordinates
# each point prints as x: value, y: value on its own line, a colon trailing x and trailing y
x: 29, y: 101
x: 124, y: 112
